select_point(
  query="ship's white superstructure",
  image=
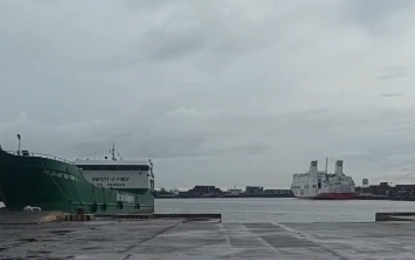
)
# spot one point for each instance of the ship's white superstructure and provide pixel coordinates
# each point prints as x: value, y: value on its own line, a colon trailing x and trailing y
x: 316, y: 184
x: 118, y: 174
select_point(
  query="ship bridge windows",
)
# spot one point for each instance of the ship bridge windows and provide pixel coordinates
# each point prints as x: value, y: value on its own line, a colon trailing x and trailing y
x: 114, y: 167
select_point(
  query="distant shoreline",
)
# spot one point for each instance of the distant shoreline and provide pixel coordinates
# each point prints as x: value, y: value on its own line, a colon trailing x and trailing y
x: 282, y: 197
x: 224, y: 196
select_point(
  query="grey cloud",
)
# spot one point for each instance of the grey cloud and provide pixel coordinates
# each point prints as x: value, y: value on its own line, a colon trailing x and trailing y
x: 390, y: 72
x: 390, y: 95
x: 213, y: 91
x: 163, y: 45
x: 406, y: 168
x: 377, y: 17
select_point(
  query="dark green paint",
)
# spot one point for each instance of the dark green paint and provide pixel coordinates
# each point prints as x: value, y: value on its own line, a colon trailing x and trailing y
x: 23, y: 182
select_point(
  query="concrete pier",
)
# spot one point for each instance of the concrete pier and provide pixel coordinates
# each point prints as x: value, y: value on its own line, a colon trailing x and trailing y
x: 35, y: 217
x: 120, y: 239
x: 395, y: 216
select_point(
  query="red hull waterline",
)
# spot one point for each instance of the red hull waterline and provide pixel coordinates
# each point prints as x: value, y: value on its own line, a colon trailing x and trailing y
x: 331, y: 196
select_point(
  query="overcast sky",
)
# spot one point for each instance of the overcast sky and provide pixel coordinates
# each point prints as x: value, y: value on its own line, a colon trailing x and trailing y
x: 217, y: 91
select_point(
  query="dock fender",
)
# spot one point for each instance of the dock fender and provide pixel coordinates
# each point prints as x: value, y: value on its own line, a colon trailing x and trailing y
x: 120, y: 204
x: 104, y: 206
x: 94, y: 207
x: 138, y: 205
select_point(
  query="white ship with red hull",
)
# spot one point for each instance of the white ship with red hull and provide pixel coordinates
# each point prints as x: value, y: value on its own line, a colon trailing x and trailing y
x: 316, y: 184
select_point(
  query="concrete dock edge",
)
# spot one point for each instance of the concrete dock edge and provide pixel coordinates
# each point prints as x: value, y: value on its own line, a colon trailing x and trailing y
x: 395, y: 216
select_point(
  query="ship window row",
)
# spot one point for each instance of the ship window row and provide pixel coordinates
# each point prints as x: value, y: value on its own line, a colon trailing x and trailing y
x: 114, y: 167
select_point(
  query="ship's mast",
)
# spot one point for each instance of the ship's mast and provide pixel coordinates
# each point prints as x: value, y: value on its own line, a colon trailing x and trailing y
x: 19, y: 147
x: 326, y: 163
x: 113, y: 152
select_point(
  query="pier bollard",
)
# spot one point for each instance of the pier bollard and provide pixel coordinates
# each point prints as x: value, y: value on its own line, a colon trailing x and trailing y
x: 80, y: 216
x: 80, y: 211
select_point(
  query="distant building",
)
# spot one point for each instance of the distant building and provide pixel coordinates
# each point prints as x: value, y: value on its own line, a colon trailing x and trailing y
x: 383, y: 188
x: 254, y: 189
x: 277, y: 191
x: 404, y: 190
x: 398, y: 192
x: 234, y: 191
x: 201, y: 189
x: 405, y: 187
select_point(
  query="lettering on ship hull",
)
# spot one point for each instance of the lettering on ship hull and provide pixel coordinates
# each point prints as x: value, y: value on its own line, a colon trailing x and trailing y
x: 104, y: 179
x: 110, y: 181
x: 125, y: 198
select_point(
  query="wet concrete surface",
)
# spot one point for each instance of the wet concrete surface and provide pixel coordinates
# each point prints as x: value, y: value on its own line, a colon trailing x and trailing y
x: 112, y: 239
x: 7, y: 217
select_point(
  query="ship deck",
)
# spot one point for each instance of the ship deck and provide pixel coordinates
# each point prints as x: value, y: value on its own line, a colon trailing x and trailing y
x: 111, y: 239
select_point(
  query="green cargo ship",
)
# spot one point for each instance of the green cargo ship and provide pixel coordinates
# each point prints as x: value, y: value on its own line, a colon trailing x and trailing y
x: 98, y: 186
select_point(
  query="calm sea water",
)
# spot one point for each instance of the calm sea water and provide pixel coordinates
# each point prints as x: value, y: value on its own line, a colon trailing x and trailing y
x: 284, y: 209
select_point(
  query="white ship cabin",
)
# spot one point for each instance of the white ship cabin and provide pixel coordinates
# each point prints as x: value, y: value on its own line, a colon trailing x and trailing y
x: 314, y: 181
x: 338, y: 170
x: 136, y: 174
x: 340, y: 176
x: 310, y: 179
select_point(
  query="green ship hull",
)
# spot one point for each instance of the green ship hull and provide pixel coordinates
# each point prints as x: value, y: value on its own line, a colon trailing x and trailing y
x: 57, y: 185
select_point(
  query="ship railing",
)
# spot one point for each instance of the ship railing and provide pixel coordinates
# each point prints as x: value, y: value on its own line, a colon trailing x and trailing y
x: 42, y: 155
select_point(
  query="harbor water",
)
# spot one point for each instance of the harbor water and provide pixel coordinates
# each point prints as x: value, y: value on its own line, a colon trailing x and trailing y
x: 285, y: 209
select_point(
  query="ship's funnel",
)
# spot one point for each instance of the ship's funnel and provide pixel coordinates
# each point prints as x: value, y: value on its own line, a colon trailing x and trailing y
x: 313, y: 167
x: 338, y: 168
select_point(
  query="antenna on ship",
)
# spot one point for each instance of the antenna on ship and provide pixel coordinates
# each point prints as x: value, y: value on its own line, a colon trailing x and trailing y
x: 326, y: 163
x: 112, y: 152
x: 19, y: 147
